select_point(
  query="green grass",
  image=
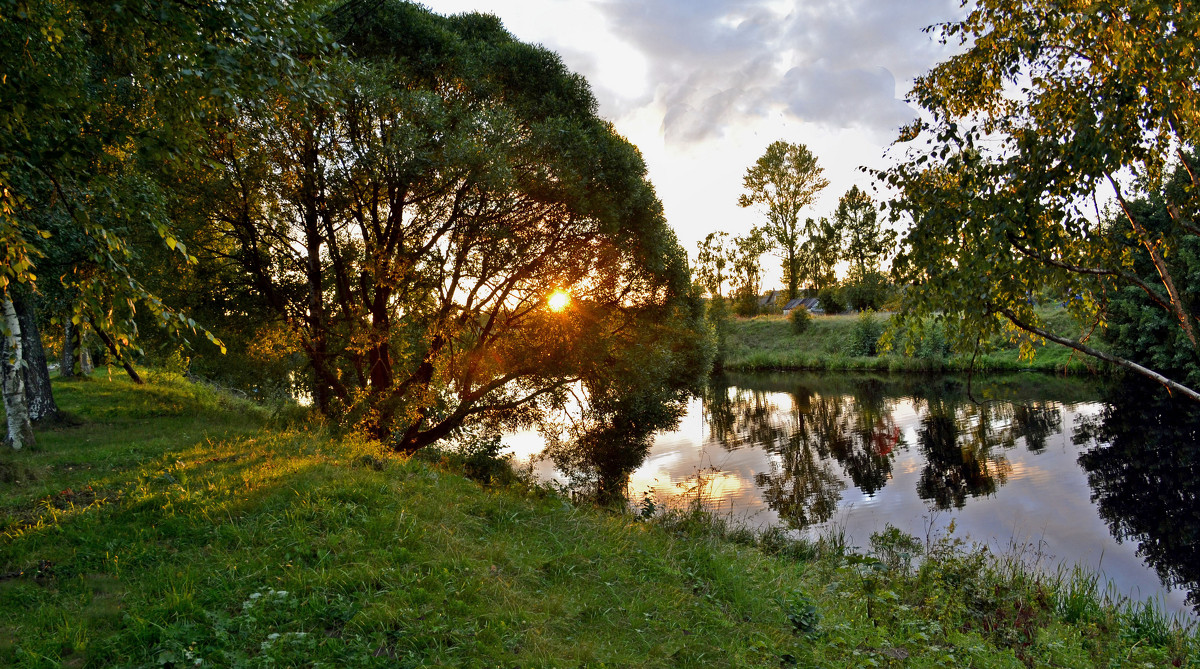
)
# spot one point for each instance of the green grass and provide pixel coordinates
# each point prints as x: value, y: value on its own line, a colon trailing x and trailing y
x: 769, y: 343
x: 171, y: 526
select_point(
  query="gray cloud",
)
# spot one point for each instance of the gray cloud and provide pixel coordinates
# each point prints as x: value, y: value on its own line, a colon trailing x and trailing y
x: 714, y: 63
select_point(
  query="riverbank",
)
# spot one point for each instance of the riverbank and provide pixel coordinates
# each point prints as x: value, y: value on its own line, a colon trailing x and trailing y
x: 831, y: 343
x: 174, y: 526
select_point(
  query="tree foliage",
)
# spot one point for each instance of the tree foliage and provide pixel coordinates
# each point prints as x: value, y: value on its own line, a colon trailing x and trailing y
x: 1076, y: 102
x: 821, y: 254
x: 784, y: 180
x: 745, y: 258
x: 867, y: 242
x: 404, y: 210
x: 100, y: 112
x: 712, y: 258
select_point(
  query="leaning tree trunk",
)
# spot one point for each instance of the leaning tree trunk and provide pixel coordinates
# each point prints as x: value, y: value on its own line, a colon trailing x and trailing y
x: 116, y: 354
x: 20, y: 427
x: 66, y: 361
x: 39, y: 396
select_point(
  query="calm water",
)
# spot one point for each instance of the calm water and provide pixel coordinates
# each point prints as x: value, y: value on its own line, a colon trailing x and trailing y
x: 1108, y: 478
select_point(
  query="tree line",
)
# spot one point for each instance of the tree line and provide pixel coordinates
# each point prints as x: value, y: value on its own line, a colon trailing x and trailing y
x: 782, y: 183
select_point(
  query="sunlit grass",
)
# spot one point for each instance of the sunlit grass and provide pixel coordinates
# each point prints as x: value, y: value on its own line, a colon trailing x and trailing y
x: 173, y: 524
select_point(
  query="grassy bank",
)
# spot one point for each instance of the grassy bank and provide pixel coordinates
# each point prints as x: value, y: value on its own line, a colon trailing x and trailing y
x: 170, y: 526
x: 769, y: 342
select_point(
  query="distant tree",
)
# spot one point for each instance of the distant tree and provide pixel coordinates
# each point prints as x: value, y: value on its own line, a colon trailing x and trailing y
x: 821, y: 254
x: 711, y: 261
x: 1107, y: 104
x: 784, y: 180
x: 747, y: 271
x: 867, y: 242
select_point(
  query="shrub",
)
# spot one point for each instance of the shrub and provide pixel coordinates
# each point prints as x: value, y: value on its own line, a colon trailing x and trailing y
x: 831, y: 300
x: 745, y: 304
x: 801, y: 319
x: 864, y: 340
x: 869, y: 292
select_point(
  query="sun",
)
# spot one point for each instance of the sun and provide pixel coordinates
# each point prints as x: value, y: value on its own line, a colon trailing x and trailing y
x: 558, y: 300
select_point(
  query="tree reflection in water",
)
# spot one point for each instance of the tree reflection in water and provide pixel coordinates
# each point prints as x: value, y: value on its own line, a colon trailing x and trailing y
x: 856, y: 430
x: 850, y: 421
x: 1143, y: 464
x: 1144, y: 470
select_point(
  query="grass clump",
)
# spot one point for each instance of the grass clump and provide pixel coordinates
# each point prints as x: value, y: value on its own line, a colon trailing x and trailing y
x: 174, y: 528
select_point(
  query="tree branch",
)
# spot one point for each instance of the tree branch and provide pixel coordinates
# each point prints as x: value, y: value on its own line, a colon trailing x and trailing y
x: 1095, y: 353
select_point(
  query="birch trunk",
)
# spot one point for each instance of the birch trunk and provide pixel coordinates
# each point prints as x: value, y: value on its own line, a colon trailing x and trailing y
x: 20, y: 428
x: 39, y: 394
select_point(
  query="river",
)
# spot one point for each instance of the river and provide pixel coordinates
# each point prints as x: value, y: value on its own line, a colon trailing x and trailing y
x: 1062, y: 471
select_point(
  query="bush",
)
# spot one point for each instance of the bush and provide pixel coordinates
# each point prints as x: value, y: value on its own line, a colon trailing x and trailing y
x: 869, y: 292
x: 864, y: 340
x: 831, y: 300
x: 745, y: 304
x: 801, y: 319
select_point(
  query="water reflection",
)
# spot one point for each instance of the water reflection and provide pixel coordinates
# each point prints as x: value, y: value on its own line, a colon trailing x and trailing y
x: 1109, y: 479
x: 863, y: 451
x: 1144, y: 470
x: 851, y: 422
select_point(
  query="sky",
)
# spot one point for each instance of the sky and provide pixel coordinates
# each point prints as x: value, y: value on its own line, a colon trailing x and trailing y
x: 701, y: 87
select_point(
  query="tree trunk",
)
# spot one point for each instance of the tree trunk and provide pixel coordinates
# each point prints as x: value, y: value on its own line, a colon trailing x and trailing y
x: 66, y: 361
x: 85, y: 354
x: 793, y: 274
x: 116, y: 354
x: 20, y: 427
x: 39, y: 396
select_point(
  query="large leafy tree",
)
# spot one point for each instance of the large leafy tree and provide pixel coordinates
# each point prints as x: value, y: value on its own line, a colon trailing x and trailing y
x: 100, y: 104
x: 744, y: 257
x: 405, y: 212
x: 1052, y: 107
x: 822, y: 251
x: 782, y: 182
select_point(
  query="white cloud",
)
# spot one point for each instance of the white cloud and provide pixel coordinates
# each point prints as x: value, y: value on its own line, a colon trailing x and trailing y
x: 703, y: 86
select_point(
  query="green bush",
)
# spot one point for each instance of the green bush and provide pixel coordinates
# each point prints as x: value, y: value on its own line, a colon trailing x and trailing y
x: 864, y: 340
x: 831, y: 300
x: 801, y: 319
x: 869, y: 292
x: 745, y: 304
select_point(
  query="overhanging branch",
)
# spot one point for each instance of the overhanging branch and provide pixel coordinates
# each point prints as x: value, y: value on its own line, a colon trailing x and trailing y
x: 1095, y: 353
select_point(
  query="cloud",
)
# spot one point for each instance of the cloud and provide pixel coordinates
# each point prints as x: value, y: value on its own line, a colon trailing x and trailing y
x: 716, y: 63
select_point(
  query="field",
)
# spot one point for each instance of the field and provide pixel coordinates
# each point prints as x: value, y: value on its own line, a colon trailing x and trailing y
x: 769, y: 342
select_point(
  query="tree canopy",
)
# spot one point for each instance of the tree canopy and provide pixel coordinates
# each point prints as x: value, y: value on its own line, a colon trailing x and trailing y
x: 1052, y: 109
x: 783, y: 181
x: 405, y: 210
x: 867, y: 242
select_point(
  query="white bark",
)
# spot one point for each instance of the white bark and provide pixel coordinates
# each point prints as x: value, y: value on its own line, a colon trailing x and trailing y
x: 12, y: 374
